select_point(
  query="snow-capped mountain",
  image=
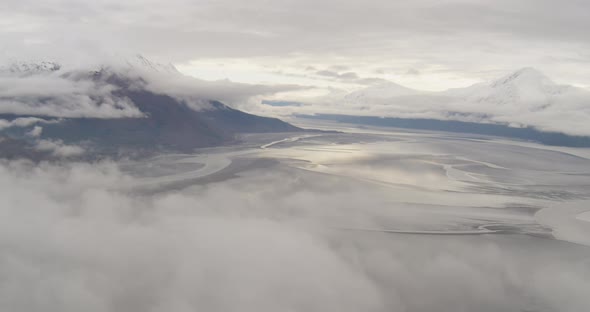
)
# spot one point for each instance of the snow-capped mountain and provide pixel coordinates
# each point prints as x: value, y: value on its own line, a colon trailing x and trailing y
x: 525, y: 88
x: 524, y: 85
x: 524, y: 77
x: 124, y: 64
x: 22, y: 68
x: 140, y: 63
x: 380, y: 91
x: 125, y: 105
x: 524, y: 98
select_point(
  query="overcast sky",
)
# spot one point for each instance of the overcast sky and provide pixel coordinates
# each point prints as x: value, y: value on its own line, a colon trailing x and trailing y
x: 423, y: 44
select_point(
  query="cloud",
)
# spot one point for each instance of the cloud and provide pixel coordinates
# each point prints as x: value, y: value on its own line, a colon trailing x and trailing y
x: 76, y: 236
x: 22, y: 122
x: 35, y: 132
x: 103, y: 250
x: 464, y: 38
x: 197, y: 92
x: 56, y: 147
x: 327, y: 73
x: 72, y: 92
x: 453, y: 43
x: 341, y: 76
x: 51, y: 94
x: 339, y: 68
x: 524, y: 98
x: 349, y: 77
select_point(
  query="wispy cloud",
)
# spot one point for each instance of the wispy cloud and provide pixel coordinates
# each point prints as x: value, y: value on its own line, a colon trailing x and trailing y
x: 57, y: 148
x: 74, y: 92
x: 74, y: 236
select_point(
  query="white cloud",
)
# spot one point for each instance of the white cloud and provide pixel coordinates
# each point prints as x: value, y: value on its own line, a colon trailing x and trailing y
x: 469, y: 40
x: 197, y: 92
x: 58, y: 148
x: 35, y: 132
x: 71, y: 92
x: 523, y: 98
x: 22, y: 122
x: 97, y: 249
x: 51, y: 94
x: 74, y: 237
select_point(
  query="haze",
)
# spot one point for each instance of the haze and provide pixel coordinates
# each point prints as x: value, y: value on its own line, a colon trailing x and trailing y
x: 267, y: 156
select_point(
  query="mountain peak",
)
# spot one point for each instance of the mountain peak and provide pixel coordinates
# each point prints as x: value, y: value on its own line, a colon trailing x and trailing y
x: 140, y: 62
x: 528, y: 71
x: 384, y: 90
x: 22, y: 68
x: 124, y: 64
x: 526, y: 75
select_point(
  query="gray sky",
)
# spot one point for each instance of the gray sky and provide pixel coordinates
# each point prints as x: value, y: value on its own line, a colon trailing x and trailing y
x: 423, y: 44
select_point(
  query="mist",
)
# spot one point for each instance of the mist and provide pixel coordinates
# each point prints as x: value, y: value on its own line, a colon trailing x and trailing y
x: 78, y: 236
x: 74, y: 90
x: 228, y: 155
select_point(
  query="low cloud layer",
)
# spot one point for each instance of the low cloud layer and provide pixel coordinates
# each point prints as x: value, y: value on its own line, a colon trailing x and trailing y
x: 197, y: 92
x: 23, y: 122
x: 72, y: 92
x: 76, y: 237
x: 524, y: 98
x: 466, y: 39
x: 52, y: 94
x: 87, y: 245
x: 56, y: 148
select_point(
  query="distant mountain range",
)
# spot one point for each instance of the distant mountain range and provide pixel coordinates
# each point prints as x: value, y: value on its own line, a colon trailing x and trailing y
x: 124, y: 115
x: 525, y: 87
x: 525, y: 104
x: 385, y: 90
x: 136, y: 106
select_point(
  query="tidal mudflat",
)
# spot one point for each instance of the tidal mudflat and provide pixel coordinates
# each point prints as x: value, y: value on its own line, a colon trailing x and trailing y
x: 389, y: 220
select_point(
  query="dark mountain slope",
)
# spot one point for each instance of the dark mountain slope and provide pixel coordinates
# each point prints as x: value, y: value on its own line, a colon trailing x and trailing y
x: 168, y: 123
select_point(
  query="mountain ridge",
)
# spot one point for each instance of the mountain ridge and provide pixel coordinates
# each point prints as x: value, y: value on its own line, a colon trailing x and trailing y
x: 165, y: 122
x: 523, y: 98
